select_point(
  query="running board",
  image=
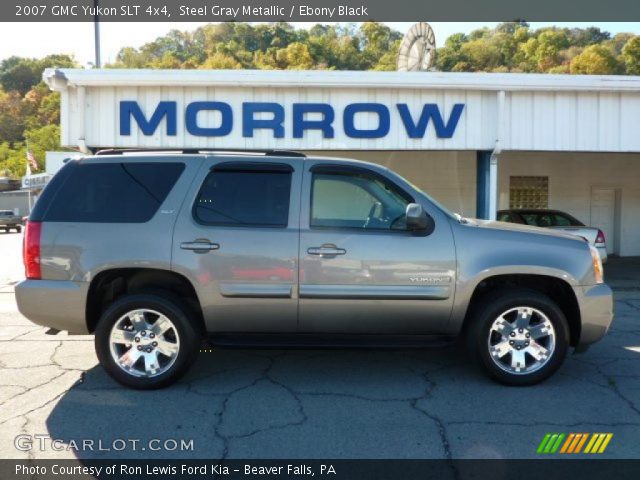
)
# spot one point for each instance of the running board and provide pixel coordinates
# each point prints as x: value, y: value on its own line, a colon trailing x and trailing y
x: 304, y: 340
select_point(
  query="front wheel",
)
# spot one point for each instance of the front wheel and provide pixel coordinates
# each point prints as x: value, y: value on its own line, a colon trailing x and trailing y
x: 145, y: 341
x: 519, y: 337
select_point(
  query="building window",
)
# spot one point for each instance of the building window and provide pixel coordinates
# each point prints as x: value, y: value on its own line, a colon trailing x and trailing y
x: 528, y: 192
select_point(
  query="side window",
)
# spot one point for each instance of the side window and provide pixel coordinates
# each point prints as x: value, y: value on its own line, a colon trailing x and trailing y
x: 244, y: 198
x: 562, y: 221
x: 505, y: 217
x: 111, y: 192
x: 356, y: 201
x: 537, y: 220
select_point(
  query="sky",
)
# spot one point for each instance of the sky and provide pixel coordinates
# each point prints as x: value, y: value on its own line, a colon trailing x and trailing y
x: 40, y: 39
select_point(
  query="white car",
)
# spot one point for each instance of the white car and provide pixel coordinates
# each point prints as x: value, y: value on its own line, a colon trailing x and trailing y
x: 558, y: 220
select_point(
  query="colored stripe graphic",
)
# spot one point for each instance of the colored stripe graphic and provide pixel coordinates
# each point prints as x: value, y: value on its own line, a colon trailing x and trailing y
x: 573, y: 443
x: 581, y: 443
x: 565, y: 447
x: 543, y: 443
x: 550, y: 443
x: 598, y: 443
x: 603, y: 447
x: 556, y: 445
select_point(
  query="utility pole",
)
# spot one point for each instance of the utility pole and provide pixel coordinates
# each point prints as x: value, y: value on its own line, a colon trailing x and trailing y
x: 96, y: 31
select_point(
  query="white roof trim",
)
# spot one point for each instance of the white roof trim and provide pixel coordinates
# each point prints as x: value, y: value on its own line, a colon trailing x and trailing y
x: 60, y: 79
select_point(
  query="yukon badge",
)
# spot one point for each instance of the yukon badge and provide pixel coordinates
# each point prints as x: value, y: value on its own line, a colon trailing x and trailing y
x: 431, y: 279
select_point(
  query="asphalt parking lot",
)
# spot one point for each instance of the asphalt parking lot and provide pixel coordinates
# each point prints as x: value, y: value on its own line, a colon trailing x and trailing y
x: 401, y: 403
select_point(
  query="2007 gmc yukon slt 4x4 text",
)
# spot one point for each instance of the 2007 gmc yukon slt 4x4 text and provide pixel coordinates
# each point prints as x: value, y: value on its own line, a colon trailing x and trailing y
x: 152, y: 251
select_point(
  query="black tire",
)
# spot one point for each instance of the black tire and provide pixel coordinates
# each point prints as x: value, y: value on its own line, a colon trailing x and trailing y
x: 495, y: 304
x: 186, y: 328
x: 18, y: 229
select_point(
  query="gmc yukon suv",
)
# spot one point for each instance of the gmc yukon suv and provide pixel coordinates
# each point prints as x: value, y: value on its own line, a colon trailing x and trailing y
x: 151, y: 252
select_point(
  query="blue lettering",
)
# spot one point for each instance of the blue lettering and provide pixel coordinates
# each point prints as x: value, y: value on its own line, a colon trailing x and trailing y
x: 300, y: 124
x: 249, y: 123
x: 414, y: 127
x: 191, y: 119
x: 377, y: 108
x: 132, y: 109
x: 430, y: 111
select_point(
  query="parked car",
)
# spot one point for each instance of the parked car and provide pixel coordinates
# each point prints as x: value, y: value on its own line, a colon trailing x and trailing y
x: 560, y: 221
x: 152, y: 252
x: 9, y: 221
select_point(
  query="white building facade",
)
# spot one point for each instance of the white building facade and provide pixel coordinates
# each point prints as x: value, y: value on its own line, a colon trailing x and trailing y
x: 475, y: 142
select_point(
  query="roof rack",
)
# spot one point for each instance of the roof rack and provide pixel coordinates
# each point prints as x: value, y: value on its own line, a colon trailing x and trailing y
x: 187, y: 151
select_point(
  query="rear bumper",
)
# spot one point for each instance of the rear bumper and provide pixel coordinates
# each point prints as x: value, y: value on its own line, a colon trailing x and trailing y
x: 56, y: 304
x: 596, y: 311
x: 603, y: 253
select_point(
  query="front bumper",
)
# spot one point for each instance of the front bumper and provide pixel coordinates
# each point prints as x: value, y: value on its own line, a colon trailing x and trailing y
x: 57, y: 304
x: 596, y: 312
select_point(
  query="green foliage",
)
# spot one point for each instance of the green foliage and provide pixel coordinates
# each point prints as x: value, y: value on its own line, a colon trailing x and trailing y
x: 22, y: 74
x: 631, y: 56
x: 29, y: 112
x: 595, y: 60
x: 372, y: 46
x: 514, y: 47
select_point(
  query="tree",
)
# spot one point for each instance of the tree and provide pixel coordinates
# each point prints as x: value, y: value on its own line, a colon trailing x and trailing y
x: 295, y: 56
x: 21, y: 74
x: 595, y: 60
x: 13, y: 116
x: 42, y: 140
x: 450, y: 55
x: 220, y: 61
x: 550, y: 43
x: 631, y: 56
x: 583, y: 37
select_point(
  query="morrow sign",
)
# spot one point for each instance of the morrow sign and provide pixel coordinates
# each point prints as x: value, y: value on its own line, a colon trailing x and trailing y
x: 357, y: 120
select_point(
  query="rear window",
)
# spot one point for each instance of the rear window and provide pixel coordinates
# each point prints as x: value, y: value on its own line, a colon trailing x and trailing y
x: 111, y: 192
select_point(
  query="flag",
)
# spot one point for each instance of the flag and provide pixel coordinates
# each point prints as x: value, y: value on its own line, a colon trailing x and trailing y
x: 31, y: 162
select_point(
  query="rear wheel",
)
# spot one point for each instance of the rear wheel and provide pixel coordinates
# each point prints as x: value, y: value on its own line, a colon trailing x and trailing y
x: 18, y: 229
x: 520, y: 337
x: 146, y: 341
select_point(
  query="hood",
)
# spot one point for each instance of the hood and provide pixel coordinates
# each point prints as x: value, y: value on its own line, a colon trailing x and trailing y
x: 516, y: 227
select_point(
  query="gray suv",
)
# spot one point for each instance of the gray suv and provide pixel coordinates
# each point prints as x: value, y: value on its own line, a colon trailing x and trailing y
x: 153, y: 252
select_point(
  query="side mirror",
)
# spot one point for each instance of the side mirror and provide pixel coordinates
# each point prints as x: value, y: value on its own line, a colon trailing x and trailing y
x: 417, y: 219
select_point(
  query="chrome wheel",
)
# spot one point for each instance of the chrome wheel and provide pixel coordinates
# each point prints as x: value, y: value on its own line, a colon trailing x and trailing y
x: 144, y: 343
x: 521, y: 340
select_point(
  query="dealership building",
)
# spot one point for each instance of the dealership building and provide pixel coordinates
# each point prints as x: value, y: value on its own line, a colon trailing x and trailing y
x: 475, y: 142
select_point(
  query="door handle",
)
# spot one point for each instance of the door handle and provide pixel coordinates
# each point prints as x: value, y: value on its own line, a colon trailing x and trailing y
x: 199, y: 246
x: 326, y: 251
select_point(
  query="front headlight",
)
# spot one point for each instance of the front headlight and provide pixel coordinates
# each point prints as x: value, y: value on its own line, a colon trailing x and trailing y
x: 597, y: 264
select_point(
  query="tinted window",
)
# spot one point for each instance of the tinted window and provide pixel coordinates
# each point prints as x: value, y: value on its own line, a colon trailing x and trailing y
x: 257, y: 198
x: 538, y: 219
x: 112, y: 192
x: 356, y: 201
x: 565, y: 221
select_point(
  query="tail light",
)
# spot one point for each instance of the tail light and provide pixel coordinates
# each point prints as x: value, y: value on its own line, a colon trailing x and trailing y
x: 600, y: 237
x: 31, y: 250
